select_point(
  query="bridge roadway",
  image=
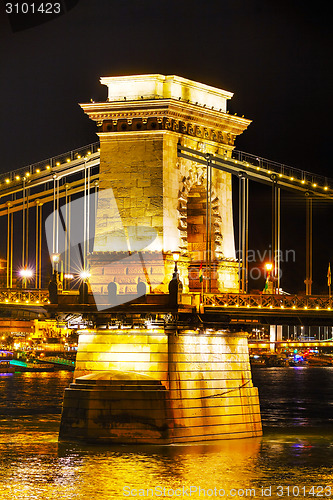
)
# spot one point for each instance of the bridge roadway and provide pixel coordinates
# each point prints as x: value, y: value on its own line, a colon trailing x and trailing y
x: 288, y: 344
x: 224, y: 310
x: 240, y: 164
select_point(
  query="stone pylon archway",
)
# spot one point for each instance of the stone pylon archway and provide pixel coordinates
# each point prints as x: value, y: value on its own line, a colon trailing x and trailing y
x: 140, y: 125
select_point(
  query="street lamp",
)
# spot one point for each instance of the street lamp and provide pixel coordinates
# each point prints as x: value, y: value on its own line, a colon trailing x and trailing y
x: 269, y: 282
x: 176, y: 256
x: 175, y: 285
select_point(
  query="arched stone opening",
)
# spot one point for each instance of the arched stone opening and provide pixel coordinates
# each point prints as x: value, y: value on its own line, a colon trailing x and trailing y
x: 197, y: 238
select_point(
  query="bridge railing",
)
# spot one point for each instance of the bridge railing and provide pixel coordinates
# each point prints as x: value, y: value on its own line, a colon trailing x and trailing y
x: 24, y: 296
x: 293, y: 173
x: 314, y: 302
x: 36, y: 168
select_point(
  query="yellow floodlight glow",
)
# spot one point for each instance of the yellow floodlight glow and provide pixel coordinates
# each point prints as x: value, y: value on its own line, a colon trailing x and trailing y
x: 269, y: 266
x: 7, y: 181
x: 68, y: 160
x: 37, y: 171
x: 314, y: 185
x: 27, y: 174
x: 303, y: 181
x: 48, y: 167
x: 291, y: 178
x: 17, y: 177
x: 325, y: 188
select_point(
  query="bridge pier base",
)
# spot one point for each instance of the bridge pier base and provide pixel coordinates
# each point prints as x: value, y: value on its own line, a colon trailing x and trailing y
x: 161, y: 386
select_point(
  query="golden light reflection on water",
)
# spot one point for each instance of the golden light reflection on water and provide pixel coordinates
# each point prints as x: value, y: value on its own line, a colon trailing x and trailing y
x: 42, y: 469
x: 34, y: 466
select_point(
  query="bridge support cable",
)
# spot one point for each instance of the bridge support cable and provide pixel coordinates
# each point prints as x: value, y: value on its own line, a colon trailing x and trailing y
x: 308, y: 252
x: 38, y: 256
x: 54, y: 216
x: 23, y: 223
x: 243, y: 232
x: 208, y: 225
x: 10, y: 215
x: 276, y: 234
x: 67, y: 235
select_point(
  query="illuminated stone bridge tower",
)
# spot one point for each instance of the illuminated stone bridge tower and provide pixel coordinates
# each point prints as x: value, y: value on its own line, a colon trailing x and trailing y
x: 139, y: 126
x: 166, y: 377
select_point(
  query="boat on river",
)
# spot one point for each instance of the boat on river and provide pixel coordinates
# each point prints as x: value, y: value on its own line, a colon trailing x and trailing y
x: 6, y: 367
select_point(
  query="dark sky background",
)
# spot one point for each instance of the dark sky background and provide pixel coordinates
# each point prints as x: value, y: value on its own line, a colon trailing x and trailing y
x: 274, y: 55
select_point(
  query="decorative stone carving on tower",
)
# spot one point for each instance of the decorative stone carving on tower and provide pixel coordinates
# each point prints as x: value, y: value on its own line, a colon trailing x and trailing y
x: 139, y: 126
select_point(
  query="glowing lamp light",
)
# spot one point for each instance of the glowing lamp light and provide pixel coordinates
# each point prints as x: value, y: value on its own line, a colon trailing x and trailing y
x: 17, y: 177
x: 69, y: 276
x: 48, y: 167
x: 325, y: 188
x: 269, y: 266
x: 26, y: 273
x: 176, y: 256
x: 37, y: 171
x: 7, y: 181
x: 84, y: 274
x: 55, y: 257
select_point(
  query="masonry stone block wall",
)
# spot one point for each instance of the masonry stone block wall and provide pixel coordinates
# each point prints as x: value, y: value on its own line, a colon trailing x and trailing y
x: 146, y: 192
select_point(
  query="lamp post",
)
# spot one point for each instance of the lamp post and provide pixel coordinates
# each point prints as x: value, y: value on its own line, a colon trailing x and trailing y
x: 55, y: 258
x: 175, y: 285
x: 83, y: 288
x: 176, y: 256
x: 269, y: 281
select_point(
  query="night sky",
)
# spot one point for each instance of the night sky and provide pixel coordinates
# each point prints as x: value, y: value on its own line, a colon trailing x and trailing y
x: 274, y: 55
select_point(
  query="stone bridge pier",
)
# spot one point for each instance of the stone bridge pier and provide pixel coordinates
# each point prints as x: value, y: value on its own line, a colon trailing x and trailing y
x: 167, y: 378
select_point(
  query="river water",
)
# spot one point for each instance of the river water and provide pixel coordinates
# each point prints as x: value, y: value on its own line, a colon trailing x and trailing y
x: 294, y: 458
